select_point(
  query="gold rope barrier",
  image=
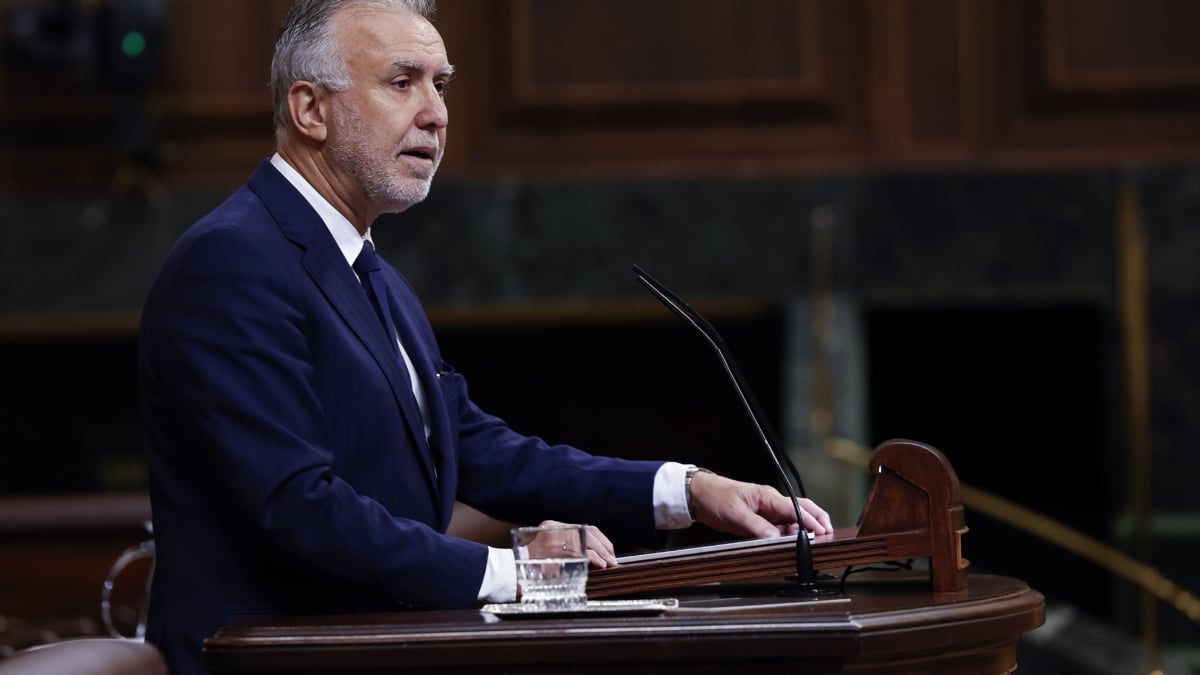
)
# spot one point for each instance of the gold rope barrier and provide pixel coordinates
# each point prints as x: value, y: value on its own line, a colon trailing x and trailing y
x: 1144, y: 576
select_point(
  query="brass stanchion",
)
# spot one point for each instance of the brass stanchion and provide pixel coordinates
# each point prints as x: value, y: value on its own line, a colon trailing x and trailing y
x: 1133, y: 310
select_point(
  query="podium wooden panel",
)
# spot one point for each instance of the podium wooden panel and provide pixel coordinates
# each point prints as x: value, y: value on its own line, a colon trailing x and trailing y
x: 877, y: 626
x: 914, y: 511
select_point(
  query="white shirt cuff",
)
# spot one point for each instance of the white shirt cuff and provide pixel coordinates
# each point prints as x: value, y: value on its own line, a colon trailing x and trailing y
x: 670, y: 497
x: 499, y: 577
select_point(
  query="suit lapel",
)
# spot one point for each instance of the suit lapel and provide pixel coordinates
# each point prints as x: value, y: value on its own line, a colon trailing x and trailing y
x: 404, y: 310
x: 324, y: 263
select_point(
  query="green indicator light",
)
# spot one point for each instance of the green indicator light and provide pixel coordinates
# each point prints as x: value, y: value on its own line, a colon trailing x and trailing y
x: 133, y: 44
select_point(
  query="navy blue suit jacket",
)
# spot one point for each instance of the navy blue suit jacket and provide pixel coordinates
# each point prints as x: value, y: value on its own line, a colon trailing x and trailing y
x: 290, y: 472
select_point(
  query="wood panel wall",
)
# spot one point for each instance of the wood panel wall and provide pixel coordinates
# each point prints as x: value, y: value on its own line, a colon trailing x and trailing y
x: 631, y: 88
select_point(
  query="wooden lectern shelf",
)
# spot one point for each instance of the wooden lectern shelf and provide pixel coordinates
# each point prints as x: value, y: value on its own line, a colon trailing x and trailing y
x: 914, y: 510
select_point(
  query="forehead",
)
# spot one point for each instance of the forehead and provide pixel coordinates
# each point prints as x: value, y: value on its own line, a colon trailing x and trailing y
x: 375, y: 37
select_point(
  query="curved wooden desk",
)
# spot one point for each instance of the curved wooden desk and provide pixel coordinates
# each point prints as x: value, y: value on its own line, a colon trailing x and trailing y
x: 886, y: 626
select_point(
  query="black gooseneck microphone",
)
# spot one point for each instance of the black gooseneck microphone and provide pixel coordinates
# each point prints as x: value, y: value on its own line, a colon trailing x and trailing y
x: 806, y: 578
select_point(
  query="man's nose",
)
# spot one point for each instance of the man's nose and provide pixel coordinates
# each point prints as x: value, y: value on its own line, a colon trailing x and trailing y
x: 433, y: 113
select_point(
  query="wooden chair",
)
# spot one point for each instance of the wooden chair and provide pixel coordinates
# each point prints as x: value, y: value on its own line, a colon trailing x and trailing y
x: 87, y: 656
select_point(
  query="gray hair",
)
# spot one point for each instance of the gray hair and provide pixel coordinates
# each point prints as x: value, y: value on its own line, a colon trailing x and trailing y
x: 307, y: 50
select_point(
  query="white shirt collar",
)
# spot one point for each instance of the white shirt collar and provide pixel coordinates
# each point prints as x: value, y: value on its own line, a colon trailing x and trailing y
x: 349, y: 241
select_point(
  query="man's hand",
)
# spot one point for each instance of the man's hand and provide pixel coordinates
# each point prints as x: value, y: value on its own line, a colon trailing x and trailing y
x: 750, y: 509
x: 600, y: 551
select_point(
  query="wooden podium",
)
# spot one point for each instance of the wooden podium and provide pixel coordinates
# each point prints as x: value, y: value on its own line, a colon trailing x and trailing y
x: 735, y: 614
x: 889, y: 627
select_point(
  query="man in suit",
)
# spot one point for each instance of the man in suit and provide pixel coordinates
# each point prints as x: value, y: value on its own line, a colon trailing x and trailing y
x: 306, y: 449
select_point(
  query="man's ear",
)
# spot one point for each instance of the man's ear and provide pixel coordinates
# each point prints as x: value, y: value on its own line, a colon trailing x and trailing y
x: 306, y: 105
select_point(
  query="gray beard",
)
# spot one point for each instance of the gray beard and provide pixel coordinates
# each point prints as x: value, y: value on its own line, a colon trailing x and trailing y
x: 377, y: 177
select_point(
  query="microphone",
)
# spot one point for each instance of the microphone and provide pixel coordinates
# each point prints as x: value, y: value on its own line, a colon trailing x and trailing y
x: 806, y: 577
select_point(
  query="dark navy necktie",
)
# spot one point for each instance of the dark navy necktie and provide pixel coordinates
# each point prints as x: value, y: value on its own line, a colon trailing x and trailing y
x: 367, y: 267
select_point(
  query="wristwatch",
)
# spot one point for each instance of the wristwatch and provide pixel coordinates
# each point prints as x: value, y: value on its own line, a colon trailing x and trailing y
x: 687, y: 488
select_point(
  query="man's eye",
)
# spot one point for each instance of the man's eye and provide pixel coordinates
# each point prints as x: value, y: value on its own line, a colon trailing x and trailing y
x: 401, y: 84
x: 441, y: 86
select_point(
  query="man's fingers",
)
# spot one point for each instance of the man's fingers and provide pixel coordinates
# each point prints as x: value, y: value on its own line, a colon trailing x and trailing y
x: 595, y: 536
x: 600, y: 549
x: 755, y: 525
x: 815, y: 518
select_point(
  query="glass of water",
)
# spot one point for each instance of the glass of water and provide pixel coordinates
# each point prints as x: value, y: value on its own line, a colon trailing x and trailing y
x: 552, y: 566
